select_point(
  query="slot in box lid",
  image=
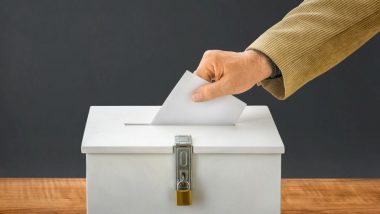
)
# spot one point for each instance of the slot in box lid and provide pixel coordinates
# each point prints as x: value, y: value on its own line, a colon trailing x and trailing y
x: 127, y: 129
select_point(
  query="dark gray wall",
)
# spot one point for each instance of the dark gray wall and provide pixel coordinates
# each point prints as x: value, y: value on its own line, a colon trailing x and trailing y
x: 57, y: 58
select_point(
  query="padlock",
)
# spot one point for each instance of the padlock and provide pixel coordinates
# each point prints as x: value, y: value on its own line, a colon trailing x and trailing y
x: 184, y: 198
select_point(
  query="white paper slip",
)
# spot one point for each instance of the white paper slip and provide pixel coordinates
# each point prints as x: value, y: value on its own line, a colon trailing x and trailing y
x: 179, y: 109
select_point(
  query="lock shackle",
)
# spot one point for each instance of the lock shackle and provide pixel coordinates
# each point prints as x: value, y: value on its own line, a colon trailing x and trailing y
x: 183, y: 183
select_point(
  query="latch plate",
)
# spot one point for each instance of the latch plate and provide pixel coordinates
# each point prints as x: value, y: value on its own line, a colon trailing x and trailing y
x: 183, y: 150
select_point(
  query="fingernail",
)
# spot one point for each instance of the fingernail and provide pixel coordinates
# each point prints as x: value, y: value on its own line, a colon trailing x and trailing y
x: 196, y: 97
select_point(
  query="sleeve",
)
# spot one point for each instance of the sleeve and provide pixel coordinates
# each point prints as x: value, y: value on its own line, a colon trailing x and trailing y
x: 314, y: 37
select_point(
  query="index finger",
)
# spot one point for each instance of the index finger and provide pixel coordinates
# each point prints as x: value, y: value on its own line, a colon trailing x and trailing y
x: 204, y: 73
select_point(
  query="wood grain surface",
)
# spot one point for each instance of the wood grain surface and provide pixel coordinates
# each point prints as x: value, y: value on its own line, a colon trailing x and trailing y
x: 44, y: 195
x: 331, y: 196
x: 299, y: 196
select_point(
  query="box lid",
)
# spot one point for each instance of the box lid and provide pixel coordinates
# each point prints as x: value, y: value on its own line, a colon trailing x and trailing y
x: 126, y: 129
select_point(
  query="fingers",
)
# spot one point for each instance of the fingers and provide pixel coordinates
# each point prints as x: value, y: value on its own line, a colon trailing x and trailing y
x: 204, y: 73
x: 206, y: 69
x: 209, y: 91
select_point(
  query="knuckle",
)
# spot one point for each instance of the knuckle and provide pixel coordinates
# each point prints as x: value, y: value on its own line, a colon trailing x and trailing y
x: 207, y: 53
x: 231, y: 85
x: 206, y: 91
x: 210, y: 54
x: 209, y: 93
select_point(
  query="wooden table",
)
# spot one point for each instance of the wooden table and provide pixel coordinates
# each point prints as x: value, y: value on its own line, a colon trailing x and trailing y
x: 68, y: 196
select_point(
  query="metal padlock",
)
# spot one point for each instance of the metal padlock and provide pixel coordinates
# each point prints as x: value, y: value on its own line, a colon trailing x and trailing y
x: 183, y: 151
x: 184, y: 198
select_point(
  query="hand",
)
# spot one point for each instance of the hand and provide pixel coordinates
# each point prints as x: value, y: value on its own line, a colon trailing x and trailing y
x: 230, y: 73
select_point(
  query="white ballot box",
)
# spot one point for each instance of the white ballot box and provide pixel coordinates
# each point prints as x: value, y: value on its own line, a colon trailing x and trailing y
x: 135, y: 167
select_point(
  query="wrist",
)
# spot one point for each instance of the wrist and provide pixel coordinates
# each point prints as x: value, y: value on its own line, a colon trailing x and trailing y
x: 262, y: 66
x: 275, y: 71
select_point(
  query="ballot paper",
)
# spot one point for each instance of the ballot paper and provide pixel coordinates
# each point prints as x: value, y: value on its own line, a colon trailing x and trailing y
x: 179, y: 109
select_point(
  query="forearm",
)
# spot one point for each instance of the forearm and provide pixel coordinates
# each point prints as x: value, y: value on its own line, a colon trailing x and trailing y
x: 313, y: 38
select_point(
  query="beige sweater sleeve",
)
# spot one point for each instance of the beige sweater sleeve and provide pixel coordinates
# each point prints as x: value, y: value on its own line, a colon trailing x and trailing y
x: 314, y: 37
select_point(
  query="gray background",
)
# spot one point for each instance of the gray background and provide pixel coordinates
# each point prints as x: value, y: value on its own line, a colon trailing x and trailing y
x: 57, y: 58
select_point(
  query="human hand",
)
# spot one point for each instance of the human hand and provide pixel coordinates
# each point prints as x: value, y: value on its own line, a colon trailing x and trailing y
x: 230, y: 73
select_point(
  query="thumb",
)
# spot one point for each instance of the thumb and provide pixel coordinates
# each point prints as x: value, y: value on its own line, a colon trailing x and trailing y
x: 209, y: 91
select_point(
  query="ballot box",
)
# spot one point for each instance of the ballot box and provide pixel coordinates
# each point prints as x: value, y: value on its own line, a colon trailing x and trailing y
x: 135, y: 167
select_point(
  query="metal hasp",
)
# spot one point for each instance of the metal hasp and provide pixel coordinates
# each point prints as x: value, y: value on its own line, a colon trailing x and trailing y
x: 183, y: 150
